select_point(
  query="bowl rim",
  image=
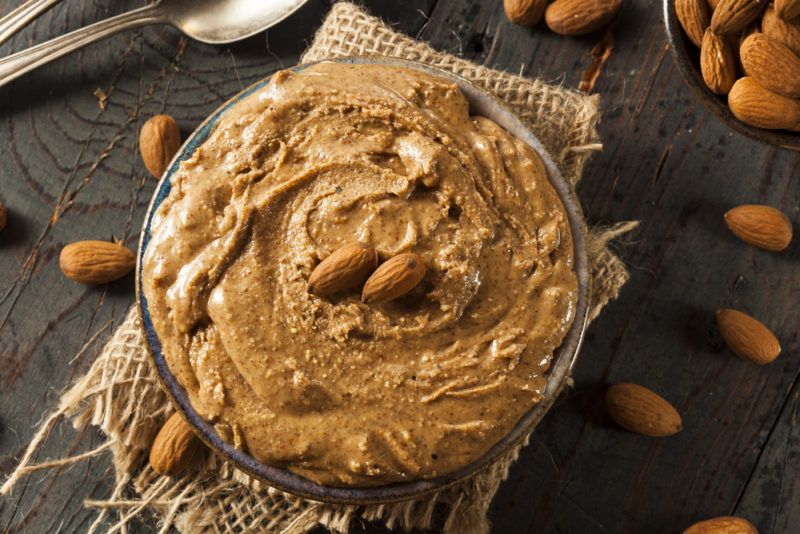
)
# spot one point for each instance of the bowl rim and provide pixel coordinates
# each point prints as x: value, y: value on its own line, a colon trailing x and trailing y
x: 483, y: 103
x: 678, y: 44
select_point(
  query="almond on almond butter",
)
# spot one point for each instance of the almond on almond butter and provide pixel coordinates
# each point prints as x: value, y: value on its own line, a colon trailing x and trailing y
x: 346, y: 267
x: 640, y: 410
x: 96, y: 262
x: 761, y: 226
x: 176, y: 447
x: 730, y: 16
x: 524, y: 12
x: 394, y: 278
x: 747, y: 337
x: 717, y: 64
x: 159, y: 141
x: 785, y: 31
x: 579, y: 17
x: 787, y: 9
x: 722, y: 525
x: 772, y: 64
x: 757, y: 106
x: 694, y: 18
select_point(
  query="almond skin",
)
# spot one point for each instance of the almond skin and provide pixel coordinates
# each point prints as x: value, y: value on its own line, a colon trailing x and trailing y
x: 730, y: 16
x: 757, y: 106
x: 579, y: 17
x: 787, y: 9
x: 713, y: 4
x: 717, y: 63
x: 761, y: 226
x: 722, y: 525
x: 772, y: 64
x: 694, y: 18
x: 525, y: 12
x: 176, y: 448
x: 159, y: 141
x: 642, y: 411
x: 785, y: 31
x: 346, y: 267
x: 747, y: 337
x: 394, y: 278
x: 96, y: 262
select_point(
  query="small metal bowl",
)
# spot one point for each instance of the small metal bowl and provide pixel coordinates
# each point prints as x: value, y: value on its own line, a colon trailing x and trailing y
x: 687, y: 57
x: 481, y: 103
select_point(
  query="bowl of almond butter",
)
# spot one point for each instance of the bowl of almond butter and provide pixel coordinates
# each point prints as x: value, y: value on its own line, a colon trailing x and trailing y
x: 742, y: 59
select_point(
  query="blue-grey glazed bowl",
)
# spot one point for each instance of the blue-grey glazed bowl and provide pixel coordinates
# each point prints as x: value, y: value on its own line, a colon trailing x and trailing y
x: 481, y: 103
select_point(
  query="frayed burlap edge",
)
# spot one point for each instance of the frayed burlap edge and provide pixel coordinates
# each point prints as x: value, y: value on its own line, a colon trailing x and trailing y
x: 122, y: 397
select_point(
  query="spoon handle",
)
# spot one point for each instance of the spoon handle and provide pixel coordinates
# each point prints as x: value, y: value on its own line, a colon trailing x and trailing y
x: 18, y: 64
x: 22, y: 16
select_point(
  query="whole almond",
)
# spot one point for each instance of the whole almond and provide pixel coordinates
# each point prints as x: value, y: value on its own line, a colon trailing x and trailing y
x: 730, y: 16
x: 757, y: 106
x: 176, y: 447
x: 579, y: 17
x: 787, y: 9
x: 761, y: 226
x: 694, y: 18
x: 346, y: 267
x: 772, y: 64
x: 394, y: 278
x: 722, y: 525
x: 747, y: 337
x: 524, y: 12
x: 785, y: 31
x: 717, y: 63
x: 640, y: 410
x: 96, y: 262
x: 159, y: 141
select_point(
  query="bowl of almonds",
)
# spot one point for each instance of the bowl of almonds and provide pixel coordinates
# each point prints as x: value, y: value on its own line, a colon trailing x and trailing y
x: 742, y: 59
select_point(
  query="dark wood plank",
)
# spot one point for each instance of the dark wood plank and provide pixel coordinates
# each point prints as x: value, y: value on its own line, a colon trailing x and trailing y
x: 667, y: 162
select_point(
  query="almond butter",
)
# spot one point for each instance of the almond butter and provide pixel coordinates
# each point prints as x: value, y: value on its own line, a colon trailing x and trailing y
x: 176, y: 447
x: 747, y: 337
x: 579, y: 17
x: 730, y: 16
x: 96, y: 262
x: 761, y: 226
x: 694, y: 18
x: 717, y: 64
x: 757, y: 106
x: 785, y: 31
x: 159, y: 141
x: 787, y: 9
x: 640, y: 410
x: 772, y: 64
x: 394, y: 278
x: 722, y: 525
x: 346, y: 267
x: 524, y: 12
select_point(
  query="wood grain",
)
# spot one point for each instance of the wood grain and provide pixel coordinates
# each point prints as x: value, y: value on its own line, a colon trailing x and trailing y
x: 70, y: 171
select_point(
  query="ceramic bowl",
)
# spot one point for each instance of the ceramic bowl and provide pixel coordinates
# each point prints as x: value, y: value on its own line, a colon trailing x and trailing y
x: 481, y: 103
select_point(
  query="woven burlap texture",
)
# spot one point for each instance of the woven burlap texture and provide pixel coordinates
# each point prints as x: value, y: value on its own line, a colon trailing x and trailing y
x: 121, y: 394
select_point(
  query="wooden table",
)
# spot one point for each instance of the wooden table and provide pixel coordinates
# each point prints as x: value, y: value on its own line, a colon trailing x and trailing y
x: 69, y: 170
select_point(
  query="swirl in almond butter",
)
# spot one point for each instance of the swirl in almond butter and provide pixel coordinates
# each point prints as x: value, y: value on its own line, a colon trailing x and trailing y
x: 338, y: 391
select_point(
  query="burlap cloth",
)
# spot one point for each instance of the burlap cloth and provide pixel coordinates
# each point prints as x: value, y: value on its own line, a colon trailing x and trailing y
x: 121, y: 395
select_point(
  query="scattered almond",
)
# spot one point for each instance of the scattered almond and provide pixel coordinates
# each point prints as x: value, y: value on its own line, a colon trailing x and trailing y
x: 640, y: 410
x: 176, y: 447
x: 730, y: 16
x: 722, y: 525
x: 785, y: 31
x: 757, y: 106
x: 787, y: 9
x: 346, y: 267
x: 579, y: 17
x: 717, y: 63
x: 159, y: 141
x: 524, y: 12
x: 394, y: 278
x: 693, y: 16
x: 772, y: 64
x: 761, y: 226
x: 747, y: 337
x: 96, y: 262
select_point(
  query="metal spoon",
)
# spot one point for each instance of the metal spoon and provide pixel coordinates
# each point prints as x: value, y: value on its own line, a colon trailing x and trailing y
x: 208, y: 21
